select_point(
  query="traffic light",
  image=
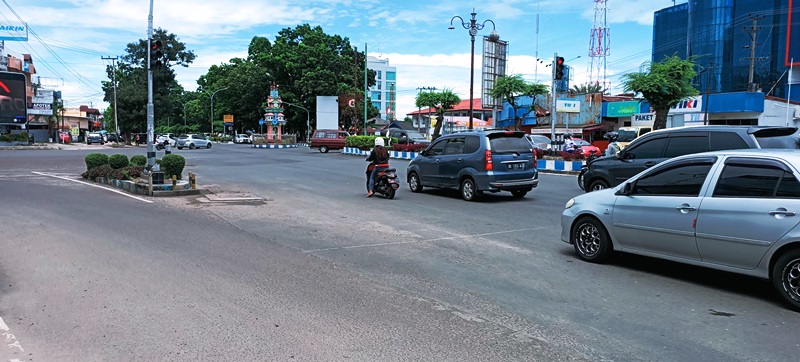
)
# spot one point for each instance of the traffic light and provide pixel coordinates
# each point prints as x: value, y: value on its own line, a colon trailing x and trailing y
x: 559, y: 68
x: 155, y: 54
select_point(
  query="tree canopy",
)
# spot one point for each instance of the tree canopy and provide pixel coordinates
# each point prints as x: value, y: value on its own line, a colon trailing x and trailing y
x: 663, y: 84
x: 587, y: 89
x: 510, y: 88
x: 441, y: 102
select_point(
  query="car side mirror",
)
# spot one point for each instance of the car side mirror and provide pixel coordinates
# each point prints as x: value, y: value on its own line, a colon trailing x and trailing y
x: 627, y: 189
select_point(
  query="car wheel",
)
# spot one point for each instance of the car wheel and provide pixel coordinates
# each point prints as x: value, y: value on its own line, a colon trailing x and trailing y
x: 598, y: 185
x: 468, y: 190
x: 518, y: 194
x: 191, y: 146
x: 159, y: 147
x: 180, y: 148
x: 208, y: 145
x: 591, y: 240
x: 323, y: 149
x: 413, y: 182
x: 786, y: 278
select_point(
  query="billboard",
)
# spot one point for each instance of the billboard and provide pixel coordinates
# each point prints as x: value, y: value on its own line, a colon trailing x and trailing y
x: 793, y: 34
x: 9, y: 31
x: 42, y: 103
x: 494, y: 66
x: 13, y: 105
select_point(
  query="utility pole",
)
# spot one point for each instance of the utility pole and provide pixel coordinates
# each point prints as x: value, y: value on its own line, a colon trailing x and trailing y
x: 709, y: 78
x: 419, y: 109
x: 553, y: 104
x: 114, y: 80
x: 151, y: 149
x: 752, y: 31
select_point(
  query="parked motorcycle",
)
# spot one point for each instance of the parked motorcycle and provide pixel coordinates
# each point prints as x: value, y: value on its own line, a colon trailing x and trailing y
x: 386, y: 182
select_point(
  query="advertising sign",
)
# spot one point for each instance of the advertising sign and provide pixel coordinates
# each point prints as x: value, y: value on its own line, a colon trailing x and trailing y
x: 42, y: 103
x: 622, y: 109
x: 12, y: 31
x: 643, y: 120
x: 689, y: 105
x: 228, y: 118
x: 13, y: 106
x: 495, y: 54
x: 568, y: 106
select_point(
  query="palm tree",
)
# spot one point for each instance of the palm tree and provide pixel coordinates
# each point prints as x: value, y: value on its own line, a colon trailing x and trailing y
x: 587, y: 89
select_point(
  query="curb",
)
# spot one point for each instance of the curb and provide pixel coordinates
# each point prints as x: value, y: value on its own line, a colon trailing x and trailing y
x: 182, y: 187
x: 554, y: 166
x: 274, y: 146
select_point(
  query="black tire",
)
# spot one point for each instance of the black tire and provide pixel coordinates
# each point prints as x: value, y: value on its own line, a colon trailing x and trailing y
x: 159, y: 147
x: 208, y: 145
x: 390, y: 194
x: 323, y: 149
x: 580, y: 178
x: 414, y: 183
x: 597, y: 185
x: 591, y: 240
x: 469, y: 192
x: 191, y: 146
x: 180, y: 148
x: 786, y: 278
x: 518, y: 194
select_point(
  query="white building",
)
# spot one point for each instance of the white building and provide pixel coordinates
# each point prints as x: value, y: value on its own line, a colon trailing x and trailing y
x: 384, y: 93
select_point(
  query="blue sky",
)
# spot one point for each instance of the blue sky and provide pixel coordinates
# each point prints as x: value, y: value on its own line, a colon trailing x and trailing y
x: 69, y: 37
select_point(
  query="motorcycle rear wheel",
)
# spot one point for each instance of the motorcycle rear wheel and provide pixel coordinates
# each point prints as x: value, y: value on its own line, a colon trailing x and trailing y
x: 390, y: 193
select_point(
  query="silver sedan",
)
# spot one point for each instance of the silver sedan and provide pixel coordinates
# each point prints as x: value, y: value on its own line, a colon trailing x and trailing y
x: 736, y: 211
x: 193, y: 141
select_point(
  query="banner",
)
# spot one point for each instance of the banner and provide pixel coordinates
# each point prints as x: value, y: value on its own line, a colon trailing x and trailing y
x: 11, y: 31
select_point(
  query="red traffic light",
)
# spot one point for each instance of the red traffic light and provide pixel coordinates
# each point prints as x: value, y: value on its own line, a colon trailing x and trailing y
x: 155, y: 53
x: 560, y: 61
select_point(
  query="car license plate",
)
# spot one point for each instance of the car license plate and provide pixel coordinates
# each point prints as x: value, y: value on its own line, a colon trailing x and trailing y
x: 516, y: 166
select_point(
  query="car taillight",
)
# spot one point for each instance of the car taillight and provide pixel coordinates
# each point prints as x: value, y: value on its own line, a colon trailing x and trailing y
x: 534, y: 156
x: 487, y: 163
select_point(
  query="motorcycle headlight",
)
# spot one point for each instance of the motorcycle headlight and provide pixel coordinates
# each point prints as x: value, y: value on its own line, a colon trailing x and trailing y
x: 570, y: 203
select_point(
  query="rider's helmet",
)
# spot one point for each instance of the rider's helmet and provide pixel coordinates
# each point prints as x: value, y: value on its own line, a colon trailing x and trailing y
x: 379, y: 141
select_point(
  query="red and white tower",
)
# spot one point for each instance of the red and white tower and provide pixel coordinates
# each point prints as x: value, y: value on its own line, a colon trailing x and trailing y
x: 599, y: 45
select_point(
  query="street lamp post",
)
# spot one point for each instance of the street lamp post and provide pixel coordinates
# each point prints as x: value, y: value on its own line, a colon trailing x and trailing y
x: 308, y: 119
x: 473, y: 28
x: 211, y: 116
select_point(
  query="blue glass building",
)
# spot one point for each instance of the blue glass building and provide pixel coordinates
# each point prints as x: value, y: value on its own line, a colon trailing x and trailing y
x: 714, y: 33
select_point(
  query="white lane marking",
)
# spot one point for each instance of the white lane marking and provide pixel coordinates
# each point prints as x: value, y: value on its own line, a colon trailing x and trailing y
x: 93, y: 185
x: 9, y: 337
x: 420, y: 241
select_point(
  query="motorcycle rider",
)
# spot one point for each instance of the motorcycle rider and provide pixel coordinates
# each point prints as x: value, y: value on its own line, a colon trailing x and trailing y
x: 379, y: 156
x: 613, y: 147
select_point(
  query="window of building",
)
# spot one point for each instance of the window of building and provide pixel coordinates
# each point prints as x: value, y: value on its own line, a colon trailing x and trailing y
x: 378, y: 74
x: 391, y: 76
x: 376, y: 96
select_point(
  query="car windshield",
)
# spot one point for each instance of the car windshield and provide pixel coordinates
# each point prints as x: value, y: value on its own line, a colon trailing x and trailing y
x: 414, y: 135
x: 539, y: 139
x: 184, y: 136
x: 581, y: 142
x: 626, y: 135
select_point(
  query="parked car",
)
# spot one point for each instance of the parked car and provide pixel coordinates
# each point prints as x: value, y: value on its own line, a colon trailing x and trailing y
x: 587, y: 149
x: 539, y: 141
x: 242, y: 138
x: 193, y: 141
x: 164, y: 139
x: 328, y: 139
x: 656, y: 146
x: 626, y: 135
x: 476, y: 162
x: 406, y: 136
x: 64, y: 137
x: 94, y: 137
x: 734, y: 210
x: 111, y: 137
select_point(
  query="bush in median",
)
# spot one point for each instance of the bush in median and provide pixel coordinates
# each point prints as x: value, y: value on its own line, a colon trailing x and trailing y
x: 138, y: 160
x: 118, y: 161
x: 95, y: 159
x: 172, y: 164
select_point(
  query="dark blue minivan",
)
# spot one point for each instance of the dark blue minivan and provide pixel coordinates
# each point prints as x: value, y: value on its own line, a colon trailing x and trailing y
x: 476, y: 162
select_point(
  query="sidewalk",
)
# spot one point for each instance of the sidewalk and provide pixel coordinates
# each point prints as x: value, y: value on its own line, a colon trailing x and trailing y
x: 68, y: 146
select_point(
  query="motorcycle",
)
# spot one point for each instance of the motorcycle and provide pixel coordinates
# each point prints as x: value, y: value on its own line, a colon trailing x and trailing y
x: 386, y: 182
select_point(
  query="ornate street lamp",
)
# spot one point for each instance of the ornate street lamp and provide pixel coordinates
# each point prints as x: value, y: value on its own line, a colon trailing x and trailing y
x: 473, y: 28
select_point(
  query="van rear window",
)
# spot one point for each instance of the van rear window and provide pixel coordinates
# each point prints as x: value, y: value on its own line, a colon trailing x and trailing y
x: 510, y: 144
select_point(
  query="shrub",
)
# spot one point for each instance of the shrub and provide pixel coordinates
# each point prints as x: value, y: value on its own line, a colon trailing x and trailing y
x: 127, y: 173
x: 172, y: 164
x: 138, y: 160
x: 16, y: 137
x: 100, y: 171
x: 94, y: 160
x: 571, y: 156
x: 415, y: 147
x: 366, y: 142
x: 118, y: 161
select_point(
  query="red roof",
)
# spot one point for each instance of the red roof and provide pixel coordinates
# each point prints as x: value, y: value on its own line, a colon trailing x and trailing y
x: 461, y: 106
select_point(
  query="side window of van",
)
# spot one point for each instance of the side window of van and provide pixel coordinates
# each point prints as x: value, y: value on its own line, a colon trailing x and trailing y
x: 642, y: 131
x: 727, y: 141
x: 684, y: 145
x: 319, y: 134
x: 437, y: 148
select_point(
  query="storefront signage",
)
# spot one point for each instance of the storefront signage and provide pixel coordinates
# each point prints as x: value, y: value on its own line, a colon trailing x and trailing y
x: 643, y: 119
x: 568, y: 106
x: 689, y: 105
x: 18, y: 32
x: 623, y: 109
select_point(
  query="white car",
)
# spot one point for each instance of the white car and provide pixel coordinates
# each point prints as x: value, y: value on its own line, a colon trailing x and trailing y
x: 242, y: 138
x: 193, y: 141
x: 162, y: 141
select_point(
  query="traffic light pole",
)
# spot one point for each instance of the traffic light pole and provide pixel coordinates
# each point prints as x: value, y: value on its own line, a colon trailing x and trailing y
x: 553, y: 105
x: 151, y: 149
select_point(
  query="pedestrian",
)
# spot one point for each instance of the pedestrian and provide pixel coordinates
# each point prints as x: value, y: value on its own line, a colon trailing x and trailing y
x: 137, y: 139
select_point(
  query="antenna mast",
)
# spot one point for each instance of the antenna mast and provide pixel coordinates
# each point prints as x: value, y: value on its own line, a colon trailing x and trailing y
x: 599, y: 45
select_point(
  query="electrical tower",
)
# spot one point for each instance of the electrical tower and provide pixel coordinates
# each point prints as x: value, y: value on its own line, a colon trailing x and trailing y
x: 599, y: 45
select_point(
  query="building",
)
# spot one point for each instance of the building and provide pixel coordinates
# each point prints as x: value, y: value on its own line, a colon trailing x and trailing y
x: 458, y: 116
x: 720, y: 35
x: 384, y: 93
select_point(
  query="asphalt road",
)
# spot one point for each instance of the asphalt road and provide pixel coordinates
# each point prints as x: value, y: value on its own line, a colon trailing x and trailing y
x: 332, y: 275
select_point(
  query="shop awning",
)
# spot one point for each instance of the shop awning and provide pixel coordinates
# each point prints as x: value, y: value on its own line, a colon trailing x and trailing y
x: 599, y: 127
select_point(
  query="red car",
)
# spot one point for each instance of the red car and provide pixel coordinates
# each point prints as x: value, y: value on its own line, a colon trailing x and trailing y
x: 586, y: 147
x: 64, y: 137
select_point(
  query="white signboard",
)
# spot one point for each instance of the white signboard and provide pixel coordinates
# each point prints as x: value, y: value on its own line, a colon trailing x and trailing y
x: 13, y: 31
x: 42, y: 103
x: 689, y: 105
x: 643, y: 119
x: 327, y: 112
x: 568, y: 106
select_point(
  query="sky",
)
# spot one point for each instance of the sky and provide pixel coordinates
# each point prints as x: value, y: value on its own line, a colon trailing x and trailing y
x: 68, y: 38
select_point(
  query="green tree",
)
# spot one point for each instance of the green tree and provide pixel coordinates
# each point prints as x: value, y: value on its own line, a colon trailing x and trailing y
x: 439, y: 101
x: 511, y: 88
x: 663, y: 84
x: 587, y: 89
x: 131, y: 76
